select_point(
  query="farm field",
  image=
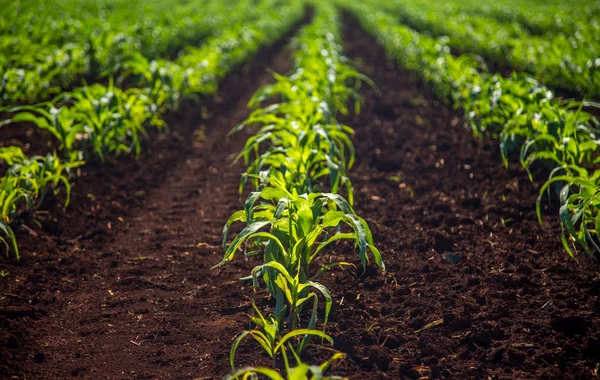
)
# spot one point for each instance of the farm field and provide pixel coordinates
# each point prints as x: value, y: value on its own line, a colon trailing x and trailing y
x: 304, y: 189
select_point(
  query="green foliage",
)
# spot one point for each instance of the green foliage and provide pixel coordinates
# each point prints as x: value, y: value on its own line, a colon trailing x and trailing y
x: 299, y: 140
x: 563, y: 52
x: 25, y: 185
x: 49, y: 46
x: 96, y: 121
x: 269, y: 337
x: 300, y: 227
x: 531, y: 124
x: 302, y: 371
x: 579, y: 207
x: 299, y: 150
x: 102, y: 120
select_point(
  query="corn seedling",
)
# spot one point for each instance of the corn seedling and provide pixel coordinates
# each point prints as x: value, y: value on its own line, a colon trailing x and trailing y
x: 25, y: 185
x: 102, y: 120
x: 302, y: 371
x: 269, y: 336
x: 300, y: 228
x: 579, y: 208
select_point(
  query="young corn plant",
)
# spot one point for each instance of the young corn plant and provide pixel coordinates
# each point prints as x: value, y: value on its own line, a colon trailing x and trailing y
x: 164, y: 83
x: 300, y: 227
x: 579, y: 208
x: 295, y: 293
x: 270, y: 338
x: 96, y: 120
x: 61, y: 122
x: 113, y: 120
x: 38, y: 174
x: 11, y: 195
x: 25, y: 185
x: 301, y: 152
x: 301, y: 371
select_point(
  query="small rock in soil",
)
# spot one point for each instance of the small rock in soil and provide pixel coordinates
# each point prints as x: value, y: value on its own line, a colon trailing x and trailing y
x: 450, y: 258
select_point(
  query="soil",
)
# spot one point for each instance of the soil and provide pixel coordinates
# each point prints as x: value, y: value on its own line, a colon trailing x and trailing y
x: 121, y: 286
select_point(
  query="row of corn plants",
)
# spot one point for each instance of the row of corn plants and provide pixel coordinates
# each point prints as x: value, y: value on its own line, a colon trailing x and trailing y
x: 538, y: 17
x: 566, y: 61
x: 297, y: 168
x: 99, y: 120
x: 533, y: 127
x: 40, y: 58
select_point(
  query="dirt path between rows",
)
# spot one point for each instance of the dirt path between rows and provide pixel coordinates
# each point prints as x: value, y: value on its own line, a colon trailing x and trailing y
x: 120, y: 286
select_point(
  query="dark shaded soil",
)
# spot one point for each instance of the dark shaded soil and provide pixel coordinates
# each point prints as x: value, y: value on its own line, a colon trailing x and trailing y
x: 120, y: 285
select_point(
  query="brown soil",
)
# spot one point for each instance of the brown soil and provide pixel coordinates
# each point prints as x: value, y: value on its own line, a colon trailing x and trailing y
x: 120, y: 285
x: 513, y: 306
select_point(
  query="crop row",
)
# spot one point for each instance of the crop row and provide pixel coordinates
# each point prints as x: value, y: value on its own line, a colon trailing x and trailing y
x: 538, y: 17
x: 99, y: 120
x: 297, y: 163
x: 532, y: 125
x: 40, y: 59
x: 566, y: 61
x: 72, y: 21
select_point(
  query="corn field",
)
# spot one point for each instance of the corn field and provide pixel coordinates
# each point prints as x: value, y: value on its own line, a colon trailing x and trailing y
x: 288, y: 190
